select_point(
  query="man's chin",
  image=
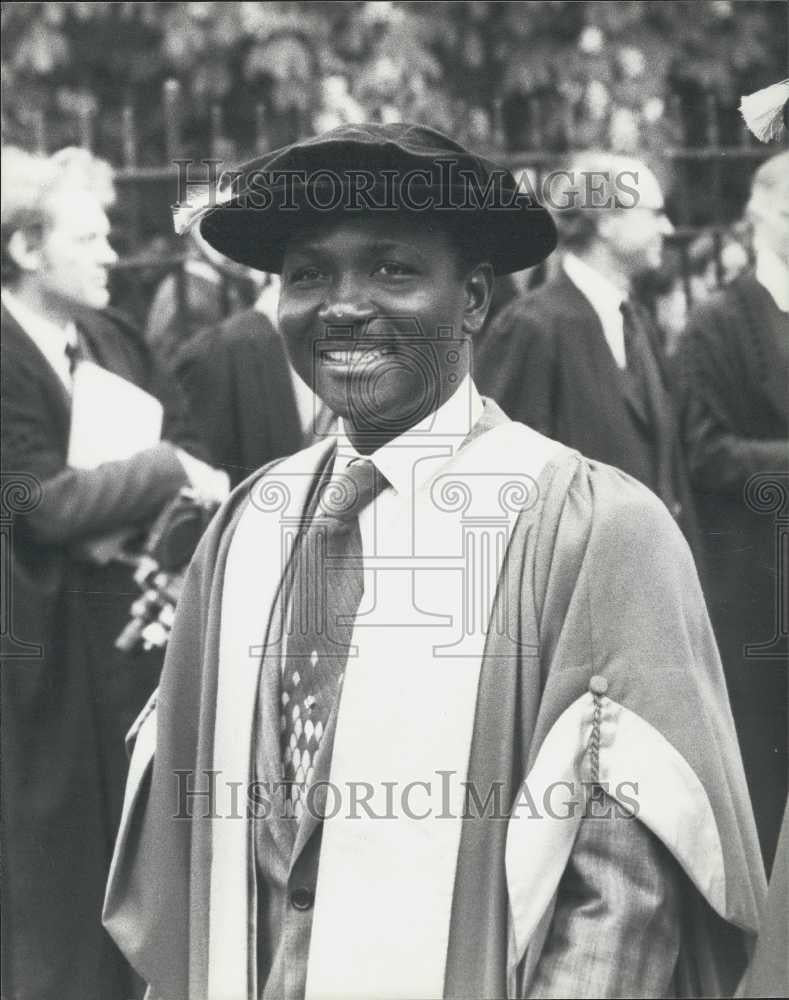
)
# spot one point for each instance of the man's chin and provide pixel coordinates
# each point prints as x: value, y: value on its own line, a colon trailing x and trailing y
x: 88, y: 298
x: 99, y: 299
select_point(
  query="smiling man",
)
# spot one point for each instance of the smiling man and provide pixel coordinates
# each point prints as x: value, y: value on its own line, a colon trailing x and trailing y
x: 441, y: 715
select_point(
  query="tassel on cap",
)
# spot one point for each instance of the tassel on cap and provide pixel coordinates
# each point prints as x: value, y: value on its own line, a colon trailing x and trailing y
x: 765, y: 112
x: 201, y: 199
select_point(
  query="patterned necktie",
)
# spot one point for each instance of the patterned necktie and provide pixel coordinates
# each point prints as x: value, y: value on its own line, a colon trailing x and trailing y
x: 326, y: 585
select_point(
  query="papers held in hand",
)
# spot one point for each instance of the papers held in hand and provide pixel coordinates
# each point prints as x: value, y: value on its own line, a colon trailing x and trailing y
x: 111, y: 420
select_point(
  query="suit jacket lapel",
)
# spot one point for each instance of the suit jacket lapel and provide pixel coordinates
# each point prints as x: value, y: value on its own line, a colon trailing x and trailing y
x: 21, y: 343
x: 267, y: 752
x: 591, y: 329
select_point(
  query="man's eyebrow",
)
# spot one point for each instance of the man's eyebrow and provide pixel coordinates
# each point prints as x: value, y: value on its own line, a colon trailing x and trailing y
x: 384, y: 245
x: 376, y: 246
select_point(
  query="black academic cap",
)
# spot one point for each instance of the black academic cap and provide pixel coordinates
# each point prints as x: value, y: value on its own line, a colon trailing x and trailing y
x: 373, y: 168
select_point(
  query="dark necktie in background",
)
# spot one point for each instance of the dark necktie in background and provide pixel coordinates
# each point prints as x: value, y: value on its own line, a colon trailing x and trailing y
x: 77, y: 350
x: 75, y: 354
x: 326, y: 587
x: 647, y: 391
x: 636, y: 345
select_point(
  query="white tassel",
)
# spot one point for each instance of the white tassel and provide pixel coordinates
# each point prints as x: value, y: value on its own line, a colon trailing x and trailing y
x: 764, y: 111
x: 201, y: 201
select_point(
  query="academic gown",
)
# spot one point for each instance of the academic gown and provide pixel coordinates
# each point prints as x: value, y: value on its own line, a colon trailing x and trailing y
x: 68, y: 696
x: 601, y: 668
x: 238, y: 380
x: 546, y: 362
x: 734, y: 367
x: 768, y: 973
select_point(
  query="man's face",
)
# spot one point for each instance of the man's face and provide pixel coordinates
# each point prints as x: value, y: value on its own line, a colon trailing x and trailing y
x: 771, y: 221
x: 75, y: 254
x: 376, y: 314
x: 635, y: 235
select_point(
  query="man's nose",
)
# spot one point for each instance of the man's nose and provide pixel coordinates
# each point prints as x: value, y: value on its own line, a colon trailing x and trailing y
x: 347, y: 302
x: 106, y: 254
x: 665, y: 226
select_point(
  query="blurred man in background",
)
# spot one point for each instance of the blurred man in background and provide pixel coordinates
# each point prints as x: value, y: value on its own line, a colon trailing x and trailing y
x: 249, y: 404
x: 578, y: 359
x: 687, y: 277
x: 735, y: 367
x: 209, y: 289
x: 66, y: 710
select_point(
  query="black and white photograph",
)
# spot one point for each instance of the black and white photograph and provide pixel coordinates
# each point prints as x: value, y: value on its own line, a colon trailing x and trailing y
x: 394, y: 500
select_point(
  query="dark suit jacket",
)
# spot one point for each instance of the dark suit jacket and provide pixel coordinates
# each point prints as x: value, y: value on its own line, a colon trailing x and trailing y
x: 734, y: 368
x: 546, y: 361
x: 237, y: 378
x: 171, y: 324
x: 68, y: 696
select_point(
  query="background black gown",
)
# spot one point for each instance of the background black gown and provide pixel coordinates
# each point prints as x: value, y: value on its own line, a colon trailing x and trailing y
x: 546, y: 362
x: 237, y: 379
x: 734, y: 366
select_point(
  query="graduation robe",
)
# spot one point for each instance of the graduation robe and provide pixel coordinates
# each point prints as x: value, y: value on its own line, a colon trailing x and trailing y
x: 734, y: 368
x: 602, y: 668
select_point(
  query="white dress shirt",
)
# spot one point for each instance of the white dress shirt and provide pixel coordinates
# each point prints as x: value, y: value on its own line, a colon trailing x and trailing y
x: 773, y: 274
x: 605, y: 298
x: 50, y: 338
x: 399, y: 460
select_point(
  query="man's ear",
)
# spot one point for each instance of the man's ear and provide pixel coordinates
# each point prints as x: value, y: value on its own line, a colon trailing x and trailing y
x: 25, y: 251
x: 478, y: 291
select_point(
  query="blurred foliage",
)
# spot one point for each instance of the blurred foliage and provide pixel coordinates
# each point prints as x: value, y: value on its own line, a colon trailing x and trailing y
x: 546, y: 73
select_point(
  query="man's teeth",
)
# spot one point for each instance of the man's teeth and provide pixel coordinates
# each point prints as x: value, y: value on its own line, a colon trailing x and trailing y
x: 356, y: 354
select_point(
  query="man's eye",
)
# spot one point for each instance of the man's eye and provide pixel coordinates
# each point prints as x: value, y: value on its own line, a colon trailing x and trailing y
x: 391, y: 269
x: 305, y: 274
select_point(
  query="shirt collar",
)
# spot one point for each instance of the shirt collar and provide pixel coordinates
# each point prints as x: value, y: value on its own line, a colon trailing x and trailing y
x: 773, y: 274
x: 398, y: 459
x: 35, y: 323
x: 600, y: 290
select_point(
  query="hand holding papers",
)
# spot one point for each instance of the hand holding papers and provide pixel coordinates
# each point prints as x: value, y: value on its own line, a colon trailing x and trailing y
x: 211, y: 484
